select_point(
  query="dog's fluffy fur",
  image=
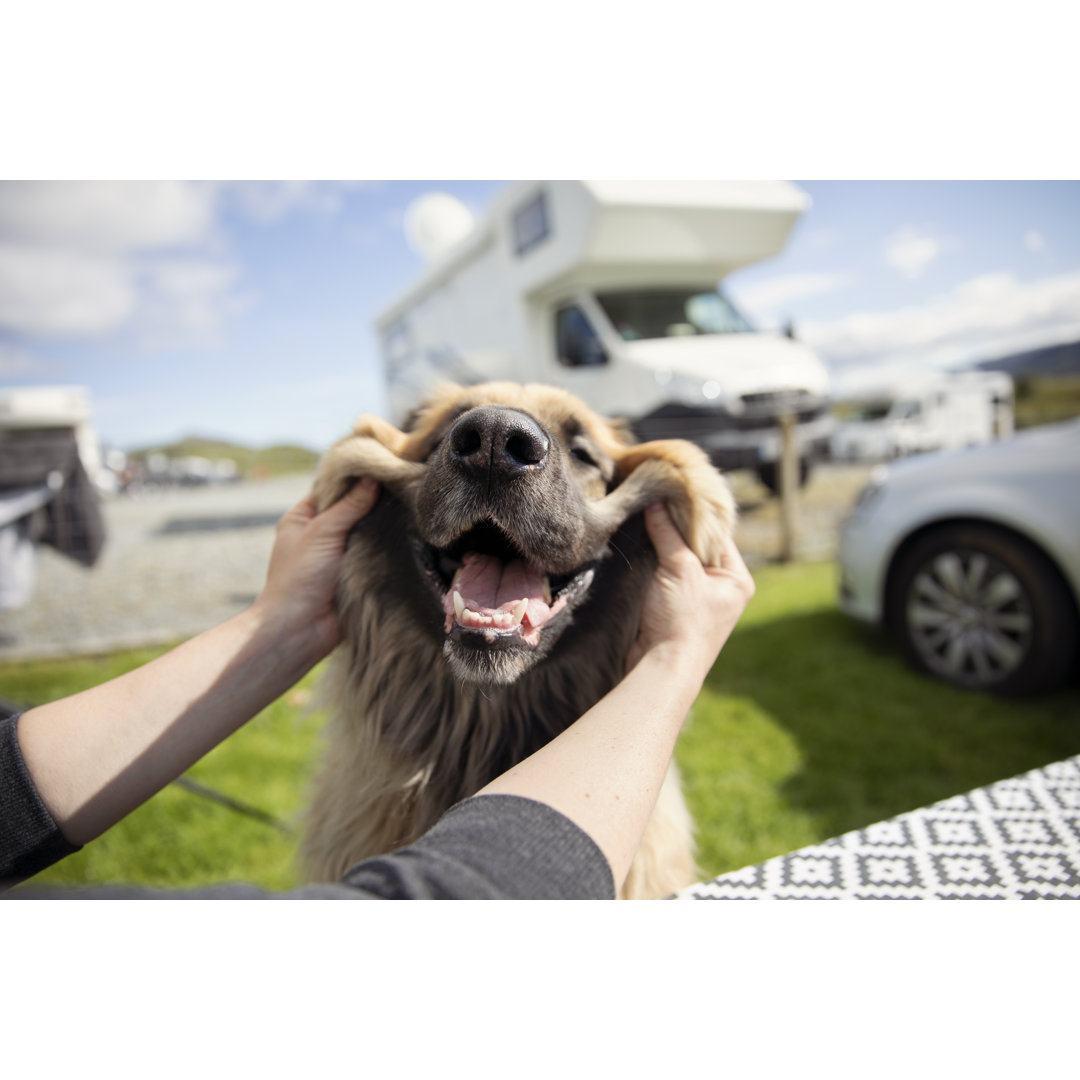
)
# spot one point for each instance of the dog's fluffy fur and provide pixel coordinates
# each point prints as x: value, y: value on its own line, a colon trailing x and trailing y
x: 426, y: 710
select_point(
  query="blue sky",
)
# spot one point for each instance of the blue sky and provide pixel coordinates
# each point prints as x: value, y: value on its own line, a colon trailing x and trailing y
x: 244, y: 310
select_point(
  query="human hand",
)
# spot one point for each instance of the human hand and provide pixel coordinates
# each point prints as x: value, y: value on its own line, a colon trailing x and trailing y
x: 302, y: 577
x: 689, y: 607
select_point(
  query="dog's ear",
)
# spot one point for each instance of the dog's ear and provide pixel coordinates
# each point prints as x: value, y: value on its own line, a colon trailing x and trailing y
x: 680, y: 474
x: 373, y: 449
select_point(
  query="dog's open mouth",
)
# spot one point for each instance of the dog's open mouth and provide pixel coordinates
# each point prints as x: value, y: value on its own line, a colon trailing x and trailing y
x: 493, y: 596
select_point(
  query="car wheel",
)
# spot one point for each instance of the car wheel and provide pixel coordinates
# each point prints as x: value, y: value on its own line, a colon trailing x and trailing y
x: 984, y: 609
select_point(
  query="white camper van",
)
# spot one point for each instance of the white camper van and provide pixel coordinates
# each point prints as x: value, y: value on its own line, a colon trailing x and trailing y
x: 610, y: 289
x: 940, y: 412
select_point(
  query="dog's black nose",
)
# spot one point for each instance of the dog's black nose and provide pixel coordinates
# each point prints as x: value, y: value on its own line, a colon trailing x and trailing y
x: 498, y: 439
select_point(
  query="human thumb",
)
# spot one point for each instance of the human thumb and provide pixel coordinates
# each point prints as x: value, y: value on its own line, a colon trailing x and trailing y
x: 665, y: 537
x: 352, y: 506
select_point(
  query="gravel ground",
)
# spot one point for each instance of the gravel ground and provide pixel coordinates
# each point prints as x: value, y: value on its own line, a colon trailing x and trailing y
x: 174, y: 564
x: 179, y: 562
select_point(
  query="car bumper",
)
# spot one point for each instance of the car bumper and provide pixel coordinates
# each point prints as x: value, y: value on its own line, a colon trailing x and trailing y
x: 862, y: 571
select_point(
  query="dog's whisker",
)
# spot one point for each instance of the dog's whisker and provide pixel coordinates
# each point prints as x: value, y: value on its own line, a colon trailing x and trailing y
x: 612, y: 544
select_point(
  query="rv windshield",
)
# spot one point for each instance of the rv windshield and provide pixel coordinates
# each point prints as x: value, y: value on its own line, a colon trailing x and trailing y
x: 664, y: 313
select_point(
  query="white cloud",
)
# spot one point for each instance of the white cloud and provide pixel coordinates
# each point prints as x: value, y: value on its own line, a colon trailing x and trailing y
x: 991, y: 315
x: 82, y: 260
x: 53, y: 292
x: 85, y: 259
x: 912, y: 250
x: 105, y: 216
x: 185, y: 299
x: 268, y: 200
x: 1034, y: 240
x: 766, y: 296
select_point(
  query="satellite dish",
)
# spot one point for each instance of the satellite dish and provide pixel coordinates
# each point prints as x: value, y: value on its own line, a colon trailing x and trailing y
x: 435, y: 223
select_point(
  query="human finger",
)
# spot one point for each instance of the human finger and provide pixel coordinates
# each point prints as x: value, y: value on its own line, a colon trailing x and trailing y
x: 731, y: 560
x: 665, y: 537
x: 355, y: 504
x: 298, y: 516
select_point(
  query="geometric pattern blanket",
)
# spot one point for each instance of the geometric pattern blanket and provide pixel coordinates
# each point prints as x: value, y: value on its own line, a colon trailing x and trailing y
x: 1018, y: 839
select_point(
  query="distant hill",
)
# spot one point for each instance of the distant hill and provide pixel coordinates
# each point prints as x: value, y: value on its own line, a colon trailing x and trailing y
x: 1047, y: 383
x: 1054, y: 360
x: 267, y: 461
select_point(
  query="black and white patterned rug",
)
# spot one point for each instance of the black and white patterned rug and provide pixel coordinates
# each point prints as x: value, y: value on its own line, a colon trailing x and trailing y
x: 1018, y: 839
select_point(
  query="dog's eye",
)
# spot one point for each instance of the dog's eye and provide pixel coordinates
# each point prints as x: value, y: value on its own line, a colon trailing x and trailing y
x: 578, y: 454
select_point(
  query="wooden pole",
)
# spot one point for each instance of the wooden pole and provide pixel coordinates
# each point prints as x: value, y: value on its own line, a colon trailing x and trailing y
x: 789, y: 486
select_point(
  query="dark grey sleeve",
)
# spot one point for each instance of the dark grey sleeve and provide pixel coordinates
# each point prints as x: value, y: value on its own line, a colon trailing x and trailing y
x: 493, y: 847
x: 29, y: 838
x: 490, y: 847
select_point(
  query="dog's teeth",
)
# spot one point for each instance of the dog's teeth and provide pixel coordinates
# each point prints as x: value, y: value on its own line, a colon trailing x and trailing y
x: 459, y: 604
x: 547, y: 590
x: 519, y: 612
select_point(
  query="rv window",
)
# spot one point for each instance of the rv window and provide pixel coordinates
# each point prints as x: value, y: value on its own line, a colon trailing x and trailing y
x: 576, y: 340
x: 660, y: 313
x: 531, y: 224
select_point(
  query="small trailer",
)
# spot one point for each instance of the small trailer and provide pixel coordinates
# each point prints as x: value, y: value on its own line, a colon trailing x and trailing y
x: 610, y: 290
x: 49, y: 461
x: 940, y: 412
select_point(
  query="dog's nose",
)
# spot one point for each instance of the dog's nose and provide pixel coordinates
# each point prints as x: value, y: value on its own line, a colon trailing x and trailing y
x: 498, y: 439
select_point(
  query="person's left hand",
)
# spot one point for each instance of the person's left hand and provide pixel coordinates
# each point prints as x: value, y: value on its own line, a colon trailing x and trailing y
x: 302, y: 577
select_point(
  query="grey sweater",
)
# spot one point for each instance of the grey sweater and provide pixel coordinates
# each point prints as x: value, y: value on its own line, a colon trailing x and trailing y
x: 489, y: 847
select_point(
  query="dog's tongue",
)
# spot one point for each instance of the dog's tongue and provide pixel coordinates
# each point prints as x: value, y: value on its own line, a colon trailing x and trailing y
x: 490, y: 583
x: 492, y: 596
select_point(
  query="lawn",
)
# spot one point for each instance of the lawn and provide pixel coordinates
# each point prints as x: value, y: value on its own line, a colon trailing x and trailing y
x: 809, y: 725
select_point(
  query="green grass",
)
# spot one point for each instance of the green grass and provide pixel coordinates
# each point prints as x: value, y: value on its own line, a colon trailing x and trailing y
x: 251, y: 461
x: 809, y: 725
x: 1046, y: 399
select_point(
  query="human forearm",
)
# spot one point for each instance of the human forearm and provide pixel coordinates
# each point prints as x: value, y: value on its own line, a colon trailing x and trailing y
x: 604, y: 772
x: 97, y: 755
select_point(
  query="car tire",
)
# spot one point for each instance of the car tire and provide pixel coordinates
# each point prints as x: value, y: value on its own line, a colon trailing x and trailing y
x: 984, y: 609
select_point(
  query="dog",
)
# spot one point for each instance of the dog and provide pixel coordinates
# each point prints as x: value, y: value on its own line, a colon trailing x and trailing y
x: 487, y: 601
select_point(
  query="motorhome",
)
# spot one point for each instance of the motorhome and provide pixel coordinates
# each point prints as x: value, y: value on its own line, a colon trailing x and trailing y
x: 611, y: 290
x: 49, y: 463
x: 26, y: 409
x: 938, y: 412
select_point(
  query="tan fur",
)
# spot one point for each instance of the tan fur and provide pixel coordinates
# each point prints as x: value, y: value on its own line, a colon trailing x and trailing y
x: 406, y: 739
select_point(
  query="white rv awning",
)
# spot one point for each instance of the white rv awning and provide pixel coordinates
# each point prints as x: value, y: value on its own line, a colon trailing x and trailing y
x: 608, y: 233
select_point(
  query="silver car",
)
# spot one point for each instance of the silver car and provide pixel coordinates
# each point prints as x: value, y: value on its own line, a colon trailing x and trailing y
x: 972, y: 559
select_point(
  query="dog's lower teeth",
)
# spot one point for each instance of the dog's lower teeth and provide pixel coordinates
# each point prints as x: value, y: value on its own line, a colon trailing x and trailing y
x: 499, y: 620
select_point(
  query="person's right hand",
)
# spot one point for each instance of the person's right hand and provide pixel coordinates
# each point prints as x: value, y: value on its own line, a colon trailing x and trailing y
x: 305, y: 563
x: 688, y: 606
